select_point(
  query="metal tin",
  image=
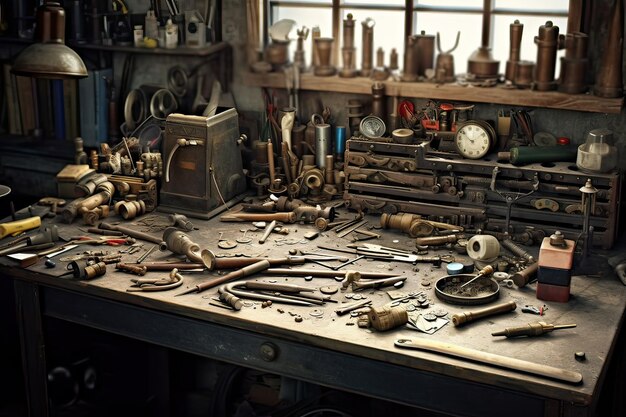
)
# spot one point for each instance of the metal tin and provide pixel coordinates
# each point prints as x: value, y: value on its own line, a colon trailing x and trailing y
x: 372, y: 127
x: 322, y: 144
x: 489, y: 292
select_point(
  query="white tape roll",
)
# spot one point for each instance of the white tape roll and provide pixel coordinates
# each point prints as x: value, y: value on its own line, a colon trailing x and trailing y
x: 483, y: 247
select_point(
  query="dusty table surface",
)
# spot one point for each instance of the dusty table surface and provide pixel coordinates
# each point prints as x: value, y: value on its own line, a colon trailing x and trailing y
x: 596, y: 306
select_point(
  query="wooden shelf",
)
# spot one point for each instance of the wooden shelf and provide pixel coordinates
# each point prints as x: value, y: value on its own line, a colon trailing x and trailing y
x: 180, y: 51
x: 452, y: 92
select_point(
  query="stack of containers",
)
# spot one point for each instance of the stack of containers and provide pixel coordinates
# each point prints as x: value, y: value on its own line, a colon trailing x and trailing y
x: 556, y: 257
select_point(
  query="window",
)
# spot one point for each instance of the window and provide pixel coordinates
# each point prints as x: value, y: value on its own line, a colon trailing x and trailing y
x: 395, y: 19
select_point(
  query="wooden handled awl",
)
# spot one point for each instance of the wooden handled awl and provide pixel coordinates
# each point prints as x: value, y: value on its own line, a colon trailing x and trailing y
x: 491, y: 359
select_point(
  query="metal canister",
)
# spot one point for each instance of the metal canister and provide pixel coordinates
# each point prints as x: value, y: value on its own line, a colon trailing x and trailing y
x: 425, y: 45
x: 516, y: 29
x: 411, y: 66
x: 322, y: 144
x: 340, y: 142
x: 547, y: 43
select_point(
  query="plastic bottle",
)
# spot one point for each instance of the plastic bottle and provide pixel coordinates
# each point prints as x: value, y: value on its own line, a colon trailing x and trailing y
x: 171, y: 35
x: 151, y: 25
x: 138, y: 35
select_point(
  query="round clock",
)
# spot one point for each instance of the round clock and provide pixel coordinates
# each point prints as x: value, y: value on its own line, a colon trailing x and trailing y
x: 474, y: 139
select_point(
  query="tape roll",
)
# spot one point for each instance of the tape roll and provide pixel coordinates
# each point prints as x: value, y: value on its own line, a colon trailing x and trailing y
x: 483, y: 247
x: 454, y: 268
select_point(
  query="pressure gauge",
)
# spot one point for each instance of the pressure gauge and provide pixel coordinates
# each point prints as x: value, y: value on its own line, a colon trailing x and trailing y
x: 474, y: 139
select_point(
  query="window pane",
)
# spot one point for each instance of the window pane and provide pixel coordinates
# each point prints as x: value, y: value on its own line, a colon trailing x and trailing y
x: 447, y: 24
x: 309, y: 17
x: 388, y: 33
x: 472, y: 4
x: 534, y: 5
x: 329, y: 2
x: 376, y: 2
x: 531, y: 29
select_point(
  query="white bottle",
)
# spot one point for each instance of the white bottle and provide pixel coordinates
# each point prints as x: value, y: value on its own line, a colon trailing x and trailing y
x: 171, y: 35
x: 138, y: 35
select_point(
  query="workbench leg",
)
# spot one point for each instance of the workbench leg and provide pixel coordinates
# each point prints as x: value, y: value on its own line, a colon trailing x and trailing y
x: 29, y: 321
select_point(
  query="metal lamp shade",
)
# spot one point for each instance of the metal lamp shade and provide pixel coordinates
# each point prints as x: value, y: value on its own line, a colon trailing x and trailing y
x: 49, y: 58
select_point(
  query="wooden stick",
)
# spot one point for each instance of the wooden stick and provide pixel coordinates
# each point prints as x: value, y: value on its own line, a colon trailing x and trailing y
x: 491, y: 359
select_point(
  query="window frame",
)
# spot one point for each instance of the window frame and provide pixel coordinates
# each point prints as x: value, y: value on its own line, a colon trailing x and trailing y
x: 488, y: 11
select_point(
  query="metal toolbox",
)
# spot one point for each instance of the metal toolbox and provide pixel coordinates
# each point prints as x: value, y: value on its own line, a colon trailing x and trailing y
x: 389, y: 177
x: 203, y: 166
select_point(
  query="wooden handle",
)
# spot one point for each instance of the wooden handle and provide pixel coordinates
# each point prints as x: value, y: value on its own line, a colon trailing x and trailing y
x: 19, y: 226
x: 491, y: 359
x: 467, y: 316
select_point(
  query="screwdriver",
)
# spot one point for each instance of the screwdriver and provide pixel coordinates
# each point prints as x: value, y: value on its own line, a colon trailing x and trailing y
x: 488, y: 270
x: 532, y: 329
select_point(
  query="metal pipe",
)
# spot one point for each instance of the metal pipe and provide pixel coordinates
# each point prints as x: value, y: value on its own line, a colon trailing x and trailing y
x: 240, y: 273
x: 324, y: 274
x: 133, y: 233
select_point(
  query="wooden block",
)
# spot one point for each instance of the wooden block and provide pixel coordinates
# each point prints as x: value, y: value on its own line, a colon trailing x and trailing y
x: 73, y: 172
x: 556, y: 256
x: 549, y: 292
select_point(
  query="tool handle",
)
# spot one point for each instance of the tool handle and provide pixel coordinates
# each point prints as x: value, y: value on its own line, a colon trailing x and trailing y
x: 133, y: 233
x: 239, y: 262
x: 240, y: 273
x: 468, y: 316
x: 268, y: 231
x: 18, y: 226
x: 491, y: 359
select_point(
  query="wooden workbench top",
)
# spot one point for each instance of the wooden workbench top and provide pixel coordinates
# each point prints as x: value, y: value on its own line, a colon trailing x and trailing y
x: 597, y: 307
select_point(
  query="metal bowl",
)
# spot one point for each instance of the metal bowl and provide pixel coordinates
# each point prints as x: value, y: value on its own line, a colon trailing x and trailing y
x: 482, y: 291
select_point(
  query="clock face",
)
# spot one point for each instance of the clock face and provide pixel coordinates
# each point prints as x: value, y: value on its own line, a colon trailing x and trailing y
x: 472, y: 141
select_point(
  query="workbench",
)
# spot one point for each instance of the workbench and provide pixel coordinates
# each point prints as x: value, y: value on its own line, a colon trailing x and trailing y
x: 328, y: 349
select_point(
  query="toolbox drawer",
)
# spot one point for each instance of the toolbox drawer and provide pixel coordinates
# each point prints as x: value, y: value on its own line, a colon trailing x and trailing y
x: 389, y: 177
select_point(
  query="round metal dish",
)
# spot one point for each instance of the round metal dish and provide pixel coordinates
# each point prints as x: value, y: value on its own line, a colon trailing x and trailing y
x: 481, y: 291
x: 4, y: 190
x: 372, y: 127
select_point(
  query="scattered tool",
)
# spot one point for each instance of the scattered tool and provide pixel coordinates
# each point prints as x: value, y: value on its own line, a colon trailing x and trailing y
x: 134, y: 233
x: 145, y: 255
x: 268, y: 291
x: 174, y: 280
x: 491, y: 359
x: 47, y: 235
x: 13, y: 228
x: 468, y: 316
x: 179, y: 242
x: 268, y: 230
x: 240, y: 273
x: 486, y: 271
x: 532, y: 329
x: 324, y: 274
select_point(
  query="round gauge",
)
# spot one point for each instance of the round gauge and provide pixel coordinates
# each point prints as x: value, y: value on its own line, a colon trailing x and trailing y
x: 474, y: 139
